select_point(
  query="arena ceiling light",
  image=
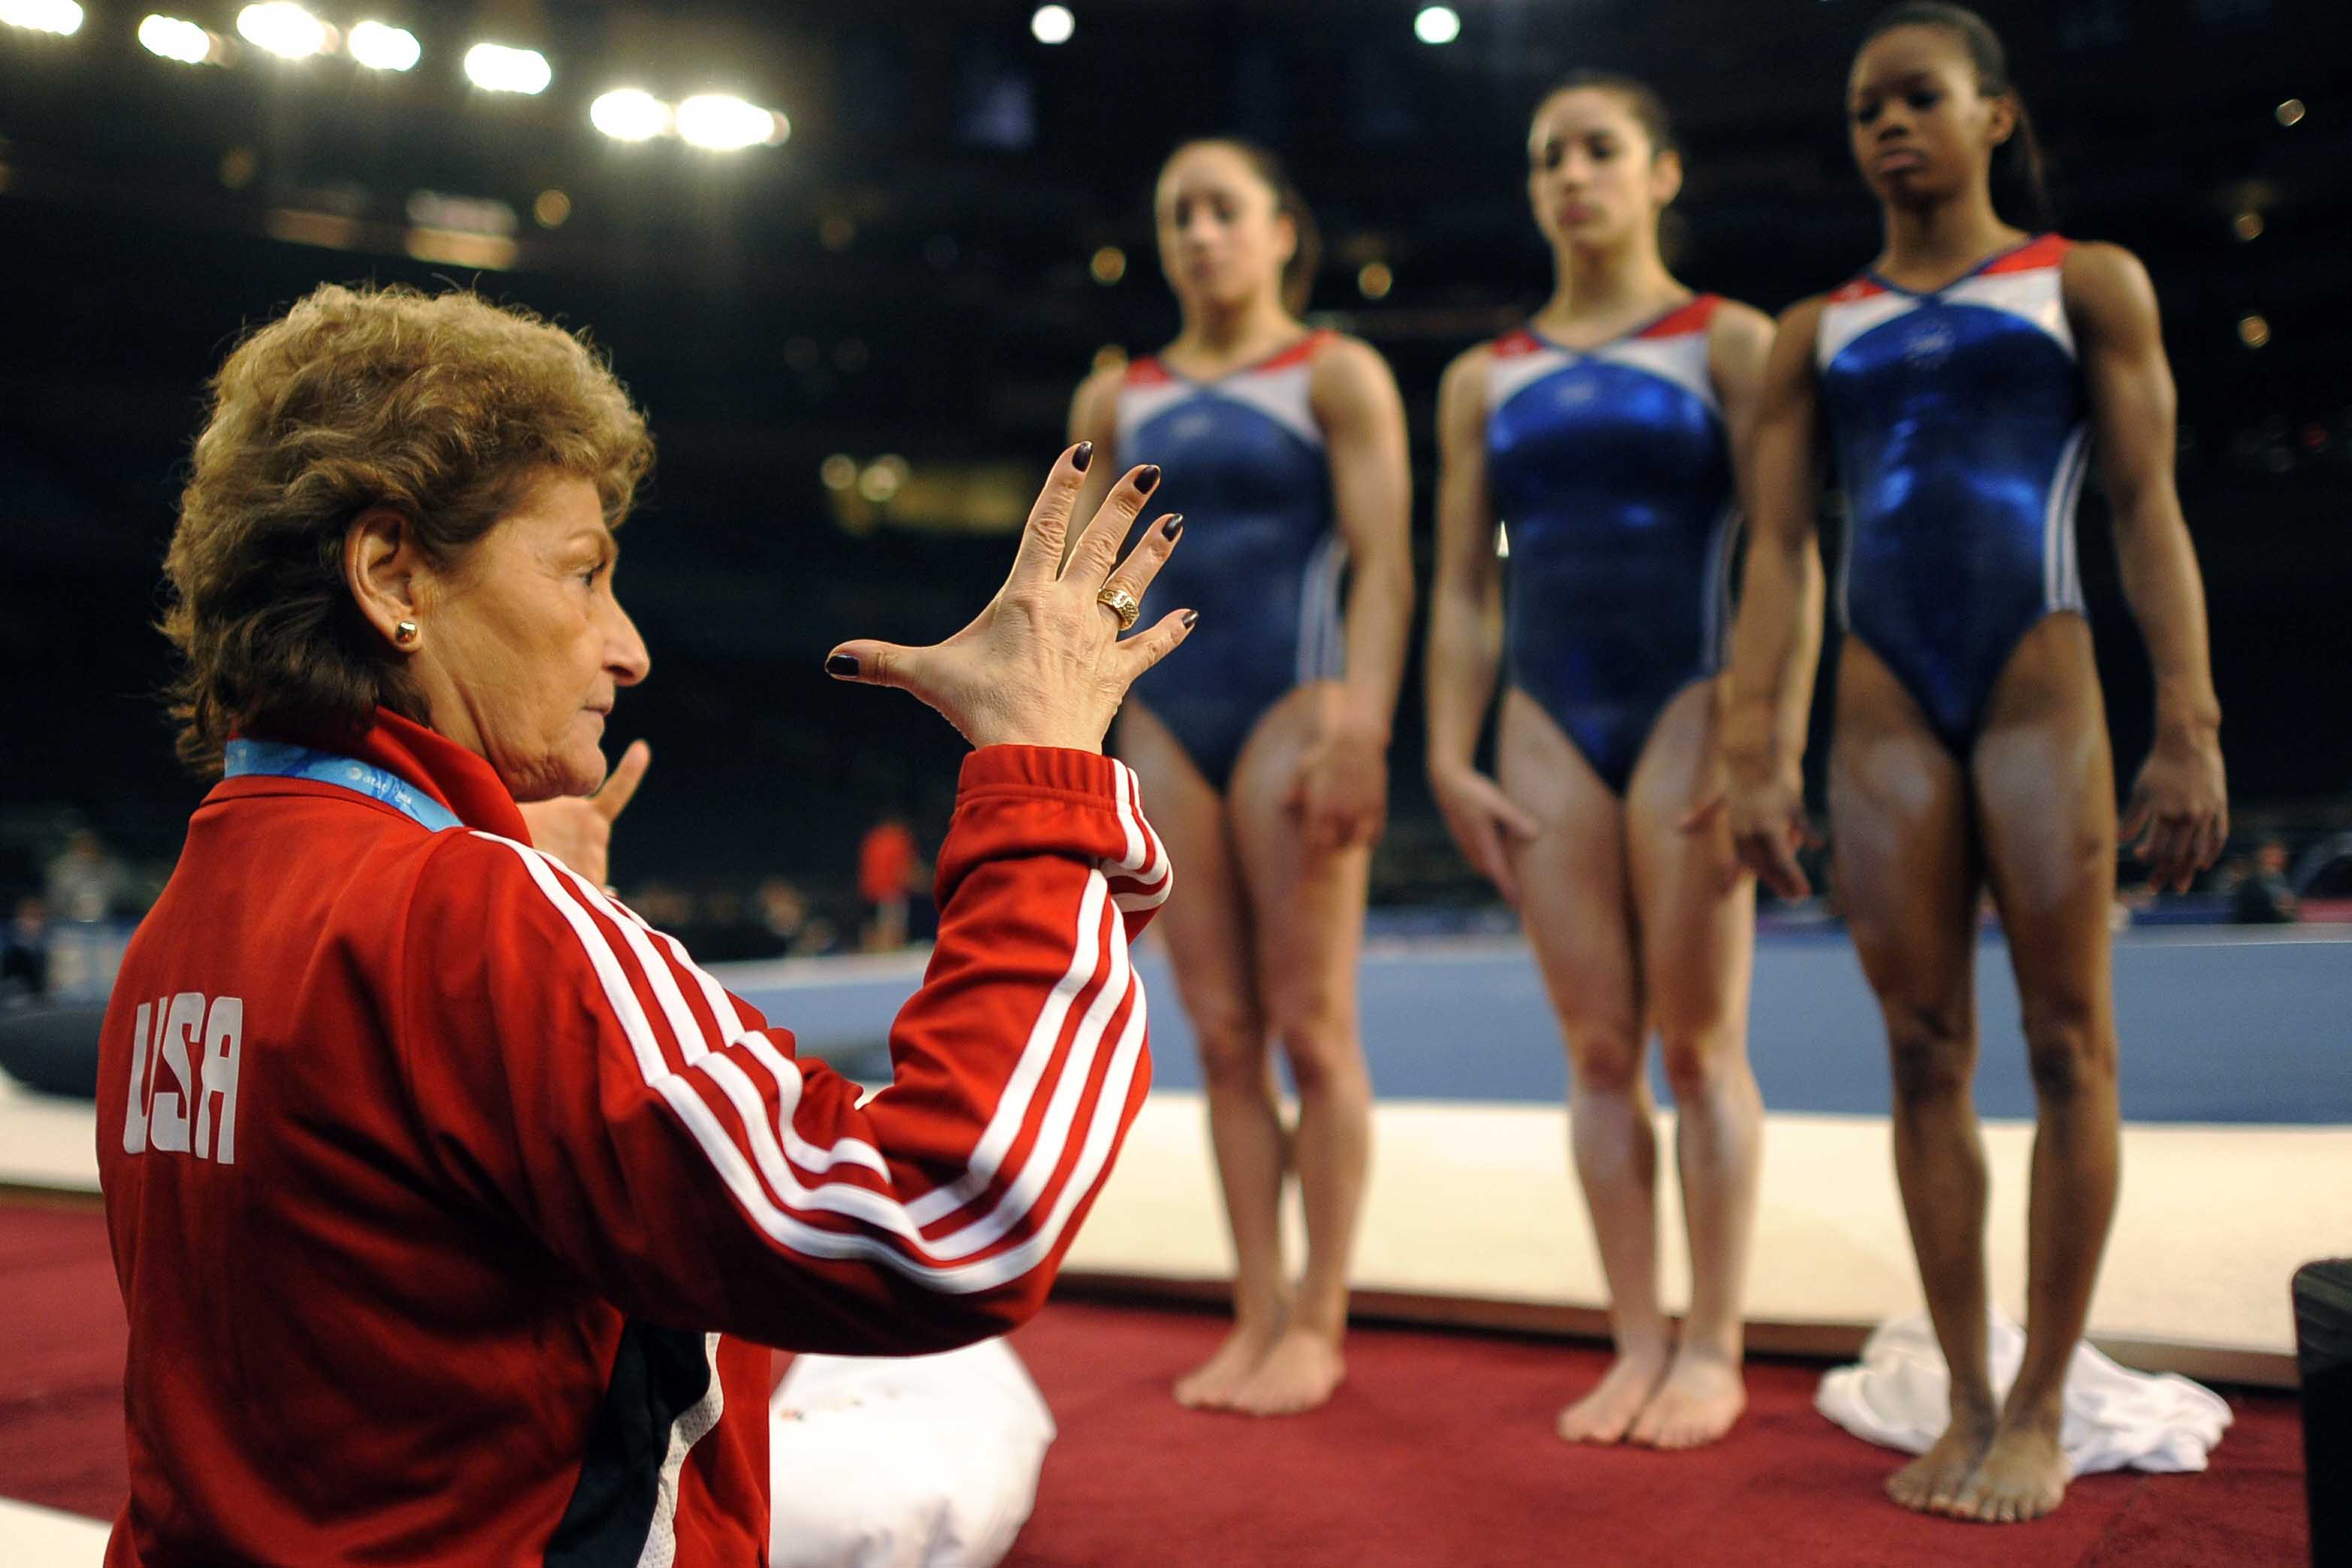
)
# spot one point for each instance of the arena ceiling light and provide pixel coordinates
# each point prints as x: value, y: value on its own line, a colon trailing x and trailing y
x: 1437, y: 25
x: 285, y: 29
x: 721, y: 122
x: 62, y: 17
x: 176, y: 39
x: 499, y: 67
x: 1052, y: 24
x: 631, y: 114
x: 383, y: 47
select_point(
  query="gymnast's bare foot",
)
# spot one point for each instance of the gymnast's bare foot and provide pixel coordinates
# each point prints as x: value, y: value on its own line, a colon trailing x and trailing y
x: 2022, y: 1475
x: 1299, y: 1374
x: 1932, y: 1482
x: 1606, y: 1414
x: 1211, y: 1386
x: 1702, y: 1396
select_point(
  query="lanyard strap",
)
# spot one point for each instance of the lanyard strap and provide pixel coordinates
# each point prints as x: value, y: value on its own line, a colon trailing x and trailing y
x: 275, y: 759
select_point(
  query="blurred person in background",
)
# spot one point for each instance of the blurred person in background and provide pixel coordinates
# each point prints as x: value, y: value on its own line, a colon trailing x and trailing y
x: 1607, y: 431
x: 1964, y: 381
x: 25, y: 954
x: 86, y: 882
x: 887, y: 859
x: 784, y: 917
x: 2264, y: 897
x: 425, y: 1134
x: 1265, y: 756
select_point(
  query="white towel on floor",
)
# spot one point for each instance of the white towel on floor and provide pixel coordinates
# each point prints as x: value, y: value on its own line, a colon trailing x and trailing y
x: 2115, y: 1418
x: 925, y: 1461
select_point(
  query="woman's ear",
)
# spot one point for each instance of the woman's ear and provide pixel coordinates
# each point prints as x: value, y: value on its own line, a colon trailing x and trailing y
x: 2002, y: 123
x: 1666, y: 177
x: 382, y: 565
x: 1285, y: 243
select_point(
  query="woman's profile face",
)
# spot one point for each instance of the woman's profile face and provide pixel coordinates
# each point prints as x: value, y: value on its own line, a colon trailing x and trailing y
x: 1594, y: 179
x: 1221, y: 238
x: 1921, y: 127
x: 524, y: 647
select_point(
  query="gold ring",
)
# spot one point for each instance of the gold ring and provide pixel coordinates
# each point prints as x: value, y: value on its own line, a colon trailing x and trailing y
x: 1122, y: 603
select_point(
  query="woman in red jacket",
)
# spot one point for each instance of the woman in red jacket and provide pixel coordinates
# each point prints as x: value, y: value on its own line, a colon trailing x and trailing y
x: 451, y: 1203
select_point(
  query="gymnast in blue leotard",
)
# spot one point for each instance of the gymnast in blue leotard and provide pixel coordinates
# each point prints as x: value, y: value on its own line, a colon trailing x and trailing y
x: 1243, y: 452
x: 1598, y: 442
x: 1964, y: 381
x: 1612, y: 469
x: 1958, y: 416
x: 1263, y: 751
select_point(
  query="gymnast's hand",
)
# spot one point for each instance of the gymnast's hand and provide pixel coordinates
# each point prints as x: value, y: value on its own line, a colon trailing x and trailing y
x: 1482, y: 820
x: 1766, y: 803
x: 1044, y: 664
x: 578, y: 829
x: 2179, y: 814
x: 1340, y: 793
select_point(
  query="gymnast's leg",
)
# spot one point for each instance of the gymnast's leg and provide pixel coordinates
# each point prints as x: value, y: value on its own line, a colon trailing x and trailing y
x: 1907, y: 872
x: 2046, y: 813
x: 1578, y: 906
x: 1207, y: 931
x: 1698, y: 949
x: 1308, y: 916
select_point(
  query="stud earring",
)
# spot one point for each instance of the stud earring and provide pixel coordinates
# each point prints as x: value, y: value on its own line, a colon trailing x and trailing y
x: 406, y: 633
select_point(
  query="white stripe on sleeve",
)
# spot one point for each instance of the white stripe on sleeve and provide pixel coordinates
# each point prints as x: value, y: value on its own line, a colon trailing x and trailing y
x: 900, y: 1246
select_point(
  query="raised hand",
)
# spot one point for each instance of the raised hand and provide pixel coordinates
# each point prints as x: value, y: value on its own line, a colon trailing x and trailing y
x: 1044, y: 664
x: 578, y: 829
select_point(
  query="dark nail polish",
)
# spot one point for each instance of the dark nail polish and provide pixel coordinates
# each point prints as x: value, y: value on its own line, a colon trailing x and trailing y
x: 1175, y: 527
x: 1082, y: 456
x: 1146, y: 478
x: 1189, y: 617
x: 843, y: 664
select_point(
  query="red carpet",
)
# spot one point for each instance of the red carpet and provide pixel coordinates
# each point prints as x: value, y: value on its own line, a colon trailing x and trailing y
x: 61, y: 1362
x: 1438, y: 1451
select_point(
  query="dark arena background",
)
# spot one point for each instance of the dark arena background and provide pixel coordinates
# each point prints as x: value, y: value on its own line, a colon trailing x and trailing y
x: 957, y: 226
x: 855, y: 316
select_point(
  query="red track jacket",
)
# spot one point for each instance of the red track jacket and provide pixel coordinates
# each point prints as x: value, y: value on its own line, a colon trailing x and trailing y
x: 452, y: 1205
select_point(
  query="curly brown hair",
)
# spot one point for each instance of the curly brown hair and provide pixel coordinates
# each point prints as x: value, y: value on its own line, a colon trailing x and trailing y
x: 442, y: 408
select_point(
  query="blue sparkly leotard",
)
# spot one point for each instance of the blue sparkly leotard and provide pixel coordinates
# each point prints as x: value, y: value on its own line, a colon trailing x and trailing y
x: 1959, y: 417
x: 1611, y: 471
x: 1242, y: 458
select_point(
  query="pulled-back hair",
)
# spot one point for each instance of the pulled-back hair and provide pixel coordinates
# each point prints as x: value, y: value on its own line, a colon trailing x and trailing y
x: 1649, y: 110
x: 442, y: 408
x: 1307, y: 256
x: 2018, y: 166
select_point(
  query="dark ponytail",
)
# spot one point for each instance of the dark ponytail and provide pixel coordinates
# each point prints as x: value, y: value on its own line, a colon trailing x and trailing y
x: 2021, y: 181
x: 1306, y: 257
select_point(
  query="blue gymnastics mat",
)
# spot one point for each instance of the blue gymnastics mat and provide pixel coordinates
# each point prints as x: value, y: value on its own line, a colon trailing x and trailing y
x: 2216, y: 1025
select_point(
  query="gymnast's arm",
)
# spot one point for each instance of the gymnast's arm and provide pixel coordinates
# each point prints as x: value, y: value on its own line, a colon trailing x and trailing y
x: 1355, y: 399
x: 1776, y: 640
x: 2179, y: 808
x: 1738, y: 345
x: 1466, y: 632
x: 584, y: 1079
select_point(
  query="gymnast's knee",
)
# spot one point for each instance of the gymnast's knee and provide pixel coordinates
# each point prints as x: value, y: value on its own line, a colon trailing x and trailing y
x: 1322, y: 1047
x: 1700, y: 1062
x: 1932, y: 1051
x: 2069, y: 1048
x: 1604, y: 1058
x: 1233, y: 1046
